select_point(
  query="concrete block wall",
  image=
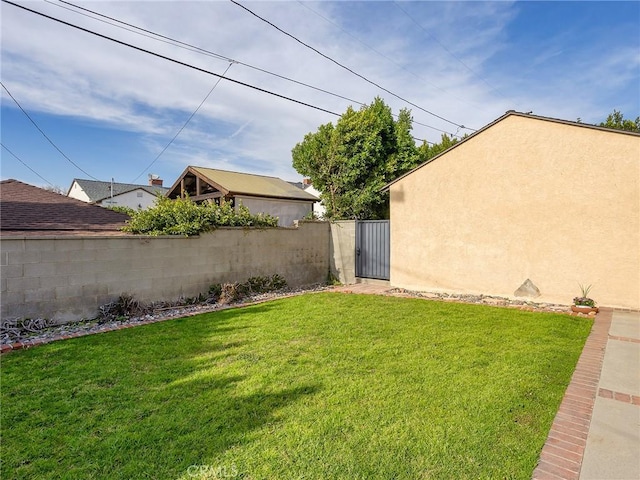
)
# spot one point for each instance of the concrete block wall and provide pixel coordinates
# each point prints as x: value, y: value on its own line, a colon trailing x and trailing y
x: 68, y: 278
x: 342, y: 251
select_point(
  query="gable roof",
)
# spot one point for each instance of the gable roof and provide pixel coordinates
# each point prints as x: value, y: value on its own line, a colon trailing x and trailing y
x: 25, y: 209
x: 236, y: 183
x: 98, y: 191
x: 506, y: 115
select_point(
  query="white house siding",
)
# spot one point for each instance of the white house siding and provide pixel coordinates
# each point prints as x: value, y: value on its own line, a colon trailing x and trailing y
x: 136, y: 199
x: 77, y: 192
x: 318, y: 208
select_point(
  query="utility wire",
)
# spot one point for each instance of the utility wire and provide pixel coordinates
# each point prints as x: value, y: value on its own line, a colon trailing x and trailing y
x: 178, y: 62
x: 193, y: 48
x: 345, y: 67
x: 173, y: 60
x: 397, y: 4
x: 184, y: 125
x: 25, y: 164
x: 44, y: 134
x: 386, y: 57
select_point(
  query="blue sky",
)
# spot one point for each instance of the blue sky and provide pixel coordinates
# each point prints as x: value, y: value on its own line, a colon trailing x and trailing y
x: 112, y: 109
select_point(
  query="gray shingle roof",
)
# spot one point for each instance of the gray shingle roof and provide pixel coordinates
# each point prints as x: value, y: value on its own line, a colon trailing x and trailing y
x: 98, y: 191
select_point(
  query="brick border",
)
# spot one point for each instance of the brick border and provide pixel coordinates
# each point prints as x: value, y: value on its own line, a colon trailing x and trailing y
x: 619, y: 396
x: 562, y: 454
x: 624, y: 339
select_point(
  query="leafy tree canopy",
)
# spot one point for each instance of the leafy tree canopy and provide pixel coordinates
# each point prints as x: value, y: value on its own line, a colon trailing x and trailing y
x: 184, y: 217
x: 351, y: 161
x: 616, y: 120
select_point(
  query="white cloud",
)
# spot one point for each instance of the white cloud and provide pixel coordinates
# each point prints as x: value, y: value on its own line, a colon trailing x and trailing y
x: 53, y: 68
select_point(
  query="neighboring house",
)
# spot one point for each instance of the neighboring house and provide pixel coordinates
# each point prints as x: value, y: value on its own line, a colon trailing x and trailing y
x: 32, y: 211
x: 525, y: 197
x: 318, y: 208
x: 260, y: 194
x: 111, y: 194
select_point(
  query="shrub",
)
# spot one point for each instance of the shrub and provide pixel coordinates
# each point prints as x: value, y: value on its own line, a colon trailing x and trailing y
x: 123, y: 308
x: 184, y: 217
x: 232, y: 292
x: 122, y: 209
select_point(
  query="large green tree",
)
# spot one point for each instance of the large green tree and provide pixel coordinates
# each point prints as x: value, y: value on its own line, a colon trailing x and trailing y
x: 351, y: 161
x: 427, y: 151
x: 616, y: 120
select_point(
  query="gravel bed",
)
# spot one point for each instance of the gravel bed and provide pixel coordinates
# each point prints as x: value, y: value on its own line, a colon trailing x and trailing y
x: 39, y: 332
x: 483, y: 300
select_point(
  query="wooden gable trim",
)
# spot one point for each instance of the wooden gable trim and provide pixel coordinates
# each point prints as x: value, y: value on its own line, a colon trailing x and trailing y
x: 178, y: 188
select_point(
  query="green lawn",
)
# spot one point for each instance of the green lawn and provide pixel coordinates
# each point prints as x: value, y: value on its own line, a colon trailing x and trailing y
x: 319, y: 386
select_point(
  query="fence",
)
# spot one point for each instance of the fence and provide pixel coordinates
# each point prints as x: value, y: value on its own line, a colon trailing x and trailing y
x: 68, y: 278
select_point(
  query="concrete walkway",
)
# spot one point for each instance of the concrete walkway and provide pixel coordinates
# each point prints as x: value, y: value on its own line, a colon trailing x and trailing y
x: 596, y: 432
x: 613, y: 443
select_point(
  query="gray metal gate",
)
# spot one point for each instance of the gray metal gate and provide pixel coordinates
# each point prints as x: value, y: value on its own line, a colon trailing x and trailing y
x: 372, y: 249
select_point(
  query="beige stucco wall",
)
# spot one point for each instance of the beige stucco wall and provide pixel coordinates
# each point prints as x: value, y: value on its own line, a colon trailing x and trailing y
x: 525, y: 199
x: 287, y: 211
x: 68, y: 278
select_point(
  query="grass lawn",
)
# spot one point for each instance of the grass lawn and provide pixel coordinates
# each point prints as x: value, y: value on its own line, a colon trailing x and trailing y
x: 319, y: 386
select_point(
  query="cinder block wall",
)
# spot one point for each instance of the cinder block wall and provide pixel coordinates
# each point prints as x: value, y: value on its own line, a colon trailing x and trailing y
x: 68, y: 278
x: 343, y: 251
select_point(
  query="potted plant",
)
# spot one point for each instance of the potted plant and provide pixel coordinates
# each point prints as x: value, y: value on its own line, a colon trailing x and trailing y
x: 584, y: 304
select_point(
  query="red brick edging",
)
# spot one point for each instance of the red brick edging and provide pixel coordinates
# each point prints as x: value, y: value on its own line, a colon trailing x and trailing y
x: 561, y: 456
x: 621, y: 397
x: 624, y: 339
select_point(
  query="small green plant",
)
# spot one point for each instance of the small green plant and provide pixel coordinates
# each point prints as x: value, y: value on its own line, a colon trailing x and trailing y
x: 332, y: 279
x: 584, y: 299
x: 122, y: 209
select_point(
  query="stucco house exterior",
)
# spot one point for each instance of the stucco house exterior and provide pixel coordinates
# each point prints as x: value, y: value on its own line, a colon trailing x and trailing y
x: 524, y: 198
x: 112, y: 194
x: 259, y: 193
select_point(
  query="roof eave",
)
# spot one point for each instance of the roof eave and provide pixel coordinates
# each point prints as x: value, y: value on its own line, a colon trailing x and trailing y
x: 499, y: 119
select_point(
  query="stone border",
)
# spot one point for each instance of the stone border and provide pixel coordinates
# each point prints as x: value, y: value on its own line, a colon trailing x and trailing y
x: 21, y: 345
x: 562, y: 454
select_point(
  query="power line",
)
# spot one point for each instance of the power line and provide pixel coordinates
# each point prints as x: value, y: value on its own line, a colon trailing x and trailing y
x: 44, y: 134
x: 184, y: 125
x: 446, y: 49
x: 346, y: 68
x: 196, y: 49
x: 386, y: 57
x: 284, y: 97
x: 187, y: 46
x: 173, y: 60
x: 25, y: 164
